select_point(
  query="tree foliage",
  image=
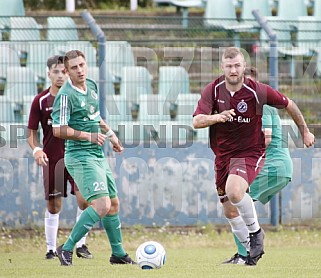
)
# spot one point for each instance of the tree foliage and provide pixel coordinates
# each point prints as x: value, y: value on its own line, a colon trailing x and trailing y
x: 82, y: 4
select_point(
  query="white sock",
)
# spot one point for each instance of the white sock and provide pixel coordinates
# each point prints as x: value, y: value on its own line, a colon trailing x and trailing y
x: 83, y: 239
x: 51, y: 230
x: 247, y: 211
x: 240, y: 230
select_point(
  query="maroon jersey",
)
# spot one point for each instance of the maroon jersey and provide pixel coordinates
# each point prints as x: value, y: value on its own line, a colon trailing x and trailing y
x: 40, y: 111
x: 242, y: 136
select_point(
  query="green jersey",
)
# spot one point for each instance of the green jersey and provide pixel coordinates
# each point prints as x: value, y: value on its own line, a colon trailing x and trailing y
x: 278, y: 159
x: 79, y: 110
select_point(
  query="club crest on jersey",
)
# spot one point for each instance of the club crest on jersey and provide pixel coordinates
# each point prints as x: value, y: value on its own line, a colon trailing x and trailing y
x: 93, y: 94
x: 242, y: 106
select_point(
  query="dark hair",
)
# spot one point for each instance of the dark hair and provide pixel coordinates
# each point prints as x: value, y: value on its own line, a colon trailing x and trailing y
x: 55, y: 60
x: 251, y: 71
x: 72, y: 54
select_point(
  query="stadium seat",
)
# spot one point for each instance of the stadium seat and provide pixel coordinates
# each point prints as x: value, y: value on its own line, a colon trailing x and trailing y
x: 249, y: 5
x: 119, y: 54
x: 118, y: 109
x: 9, y: 57
x: 38, y: 54
x: 186, y: 105
x: 4, y: 28
x: 61, y: 28
x: 135, y: 81
x: 293, y: 11
x: 21, y: 81
x: 6, y: 110
x: 93, y: 73
x: 282, y: 30
x: 182, y: 5
x: 24, y: 29
x: 12, y: 8
x: 173, y: 80
x: 221, y: 15
x: 308, y: 33
x: 153, y: 108
x: 317, y: 9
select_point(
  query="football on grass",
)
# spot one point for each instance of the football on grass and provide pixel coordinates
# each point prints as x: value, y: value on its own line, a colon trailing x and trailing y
x: 150, y: 255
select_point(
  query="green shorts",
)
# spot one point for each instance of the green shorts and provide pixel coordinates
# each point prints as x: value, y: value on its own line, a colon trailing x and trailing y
x: 264, y: 187
x: 93, y: 177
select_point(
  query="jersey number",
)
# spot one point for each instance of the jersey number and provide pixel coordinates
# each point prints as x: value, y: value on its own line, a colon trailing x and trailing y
x: 98, y: 186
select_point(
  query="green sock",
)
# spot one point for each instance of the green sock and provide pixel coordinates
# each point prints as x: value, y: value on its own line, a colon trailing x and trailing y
x: 86, y: 221
x: 241, y: 250
x: 112, y: 227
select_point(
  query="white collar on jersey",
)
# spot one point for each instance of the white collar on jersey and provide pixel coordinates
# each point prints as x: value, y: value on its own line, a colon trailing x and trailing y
x: 77, y: 89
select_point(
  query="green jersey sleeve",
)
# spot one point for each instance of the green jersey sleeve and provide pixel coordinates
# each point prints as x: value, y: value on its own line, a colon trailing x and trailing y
x: 60, y: 111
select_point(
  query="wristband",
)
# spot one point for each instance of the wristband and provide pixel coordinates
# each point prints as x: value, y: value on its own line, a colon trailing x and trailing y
x: 110, y: 133
x: 35, y: 150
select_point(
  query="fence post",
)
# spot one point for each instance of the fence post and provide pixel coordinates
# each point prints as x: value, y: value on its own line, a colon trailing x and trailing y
x: 273, y: 63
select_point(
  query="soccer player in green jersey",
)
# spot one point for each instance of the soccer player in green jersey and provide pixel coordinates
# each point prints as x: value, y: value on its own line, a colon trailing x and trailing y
x: 277, y: 170
x: 76, y: 118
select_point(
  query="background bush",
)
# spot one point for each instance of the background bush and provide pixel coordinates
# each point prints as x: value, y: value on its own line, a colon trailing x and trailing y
x: 82, y: 4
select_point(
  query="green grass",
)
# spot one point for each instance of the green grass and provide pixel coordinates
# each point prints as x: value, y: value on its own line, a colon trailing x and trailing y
x: 194, y: 252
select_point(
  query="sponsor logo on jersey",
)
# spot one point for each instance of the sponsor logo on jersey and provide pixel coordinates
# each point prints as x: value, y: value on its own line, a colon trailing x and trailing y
x: 242, y: 106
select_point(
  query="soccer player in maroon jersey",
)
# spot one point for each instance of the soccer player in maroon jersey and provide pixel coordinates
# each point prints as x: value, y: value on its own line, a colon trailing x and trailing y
x: 51, y: 158
x: 232, y: 107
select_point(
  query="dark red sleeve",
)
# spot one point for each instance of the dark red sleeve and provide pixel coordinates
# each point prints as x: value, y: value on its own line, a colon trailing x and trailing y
x: 272, y: 97
x: 34, y: 115
x: 205, y: 104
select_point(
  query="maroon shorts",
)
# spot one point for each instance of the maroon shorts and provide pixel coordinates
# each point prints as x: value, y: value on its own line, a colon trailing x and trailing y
x: 55, y: 178
x: 247, y: 168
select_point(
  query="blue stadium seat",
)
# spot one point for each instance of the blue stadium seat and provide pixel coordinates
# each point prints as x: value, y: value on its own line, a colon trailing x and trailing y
x: 317, y: 9
x: 221, y: 15
x: 9, y: 57
x: 6, y: 110
x: 291, y: 12
x: 119, y: 54
x: 12, y: 8
x: 24, y: 29
x: 60, y: 28
x: 173, y: 80
x: 249, y: 5
x: 21, y: 81
x: 135, y: 81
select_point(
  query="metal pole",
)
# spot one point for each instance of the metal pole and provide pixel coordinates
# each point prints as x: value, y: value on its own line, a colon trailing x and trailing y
x: 273, y: 64
x: 100, y: 35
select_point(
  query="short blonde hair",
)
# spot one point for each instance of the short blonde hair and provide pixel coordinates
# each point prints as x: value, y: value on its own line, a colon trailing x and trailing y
x: 231, y: 53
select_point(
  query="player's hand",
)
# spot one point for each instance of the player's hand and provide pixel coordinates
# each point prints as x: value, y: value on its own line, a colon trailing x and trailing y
x: 97, y: 138
x: 117, y: 145
x: 225, y: 116
x: 41, y: 158
x: 309, y: 139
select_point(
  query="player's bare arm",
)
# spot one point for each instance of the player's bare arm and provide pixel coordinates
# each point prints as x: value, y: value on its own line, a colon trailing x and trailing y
x: 66, y: 132
x: 202, y: 120
x: 267, y: 136
x: 39, y: 155
x: 117, y: 145
x: 295, y: 113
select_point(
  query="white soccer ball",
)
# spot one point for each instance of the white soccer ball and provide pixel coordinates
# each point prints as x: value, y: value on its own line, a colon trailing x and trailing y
x: 150, y: 255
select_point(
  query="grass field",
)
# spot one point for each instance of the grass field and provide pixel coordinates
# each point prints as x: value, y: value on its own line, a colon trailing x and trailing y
x: 196, y: 252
